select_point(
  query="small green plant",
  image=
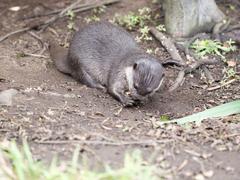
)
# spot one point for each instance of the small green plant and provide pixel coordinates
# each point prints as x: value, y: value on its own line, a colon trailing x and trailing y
x: 161, y: 28
x: 164, y: 118
x: 96, y: 12
x: 144, y: 34
x: 71, y: 15
x: 133, y: 20
x: 100, y: 9
x: 149, y: 51
x: 18, y: 163
x: 213, y: 47
x: 93, y: 18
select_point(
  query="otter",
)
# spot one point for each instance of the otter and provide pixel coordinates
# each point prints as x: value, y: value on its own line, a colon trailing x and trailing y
x: 105, y: 56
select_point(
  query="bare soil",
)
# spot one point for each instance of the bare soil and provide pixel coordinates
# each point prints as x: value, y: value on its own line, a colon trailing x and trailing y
x: 56, y: 113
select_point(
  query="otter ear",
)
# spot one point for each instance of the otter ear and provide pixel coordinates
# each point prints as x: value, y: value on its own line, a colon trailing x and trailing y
x: 135, y: 66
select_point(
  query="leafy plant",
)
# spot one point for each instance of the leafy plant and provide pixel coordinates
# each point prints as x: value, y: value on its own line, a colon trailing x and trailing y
x: 213, y: 47
x: 144, y: 34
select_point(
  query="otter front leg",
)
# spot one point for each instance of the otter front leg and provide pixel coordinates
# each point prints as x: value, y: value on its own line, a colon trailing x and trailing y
x: 117, y: 90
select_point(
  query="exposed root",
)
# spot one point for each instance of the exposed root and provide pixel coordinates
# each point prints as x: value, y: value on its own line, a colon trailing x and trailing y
x: 190, y: 69
x: 168, y: 44
x: 177, y: 59
x: 170, y: 62
x: 178, y: 81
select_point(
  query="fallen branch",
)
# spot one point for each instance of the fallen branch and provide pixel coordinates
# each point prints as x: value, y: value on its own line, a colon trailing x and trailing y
x: 120, y: 143
x: 168, y: 45
x: 44, y: 25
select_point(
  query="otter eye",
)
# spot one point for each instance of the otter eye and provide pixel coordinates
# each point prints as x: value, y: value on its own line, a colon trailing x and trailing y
x: 135, y: 66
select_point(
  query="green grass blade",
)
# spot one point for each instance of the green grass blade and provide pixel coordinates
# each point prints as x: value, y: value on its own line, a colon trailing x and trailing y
x: 215, y: 112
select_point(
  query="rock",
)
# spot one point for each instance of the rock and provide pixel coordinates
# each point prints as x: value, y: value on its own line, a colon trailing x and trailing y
x: 6, y: 97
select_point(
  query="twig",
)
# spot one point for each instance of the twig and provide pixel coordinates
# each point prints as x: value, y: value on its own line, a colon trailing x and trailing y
x: 76, y: 8
x: 220, y: 86
x: 14, y: 32
x: 116, y: 143
x: 168, y: 45
x: 44, y: 25
x: 39, y: 39
x: 36, y: 55
x: 53, y: 12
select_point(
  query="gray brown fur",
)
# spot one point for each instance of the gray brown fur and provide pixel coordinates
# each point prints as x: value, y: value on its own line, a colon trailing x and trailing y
x: 98, y: 57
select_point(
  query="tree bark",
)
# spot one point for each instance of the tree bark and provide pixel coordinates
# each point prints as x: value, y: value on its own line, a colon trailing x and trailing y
x: 184, y: 18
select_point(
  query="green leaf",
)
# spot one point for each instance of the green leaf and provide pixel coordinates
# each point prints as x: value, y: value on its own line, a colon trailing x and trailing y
x: 215, y: 112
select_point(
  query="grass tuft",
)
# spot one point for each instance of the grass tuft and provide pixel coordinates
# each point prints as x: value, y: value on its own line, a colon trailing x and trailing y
x: 18, y: 163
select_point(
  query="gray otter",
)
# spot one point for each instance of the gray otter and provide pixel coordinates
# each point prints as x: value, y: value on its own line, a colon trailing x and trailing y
x: 105, y: 56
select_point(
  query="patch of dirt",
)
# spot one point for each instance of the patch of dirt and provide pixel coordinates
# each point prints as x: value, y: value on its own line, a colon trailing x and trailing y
x: 55, y: 113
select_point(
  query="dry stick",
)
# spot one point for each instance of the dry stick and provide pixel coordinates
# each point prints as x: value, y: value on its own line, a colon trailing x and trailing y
x: 15, y: 32
x: 36, y: 55
x: 220, y: 86
x: 52, y: 20
x: 39, y: 39
x: 77, y: 8
x: 121, y: 143
x: 168, y: 45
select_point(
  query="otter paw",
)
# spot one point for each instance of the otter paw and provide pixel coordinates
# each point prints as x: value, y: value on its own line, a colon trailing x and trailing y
x: 128, y: 101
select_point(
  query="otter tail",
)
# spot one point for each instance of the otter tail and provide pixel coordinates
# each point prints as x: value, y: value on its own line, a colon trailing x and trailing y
x: 58, y: 54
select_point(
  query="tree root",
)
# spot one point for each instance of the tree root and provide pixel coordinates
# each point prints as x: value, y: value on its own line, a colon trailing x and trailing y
x: 43, y: 25
x: 197, y: 64
x: 168, y: 44
x: 177, y: 59
x: 222, y: 29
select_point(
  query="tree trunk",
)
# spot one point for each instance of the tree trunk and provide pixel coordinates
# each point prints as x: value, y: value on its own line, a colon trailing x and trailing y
x: 184, y: 18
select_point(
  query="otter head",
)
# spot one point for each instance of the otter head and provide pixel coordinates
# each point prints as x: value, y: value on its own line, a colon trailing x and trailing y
x: 146, y: 78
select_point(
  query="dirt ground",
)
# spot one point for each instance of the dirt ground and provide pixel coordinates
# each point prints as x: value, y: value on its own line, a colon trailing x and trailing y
x: 55, y: 113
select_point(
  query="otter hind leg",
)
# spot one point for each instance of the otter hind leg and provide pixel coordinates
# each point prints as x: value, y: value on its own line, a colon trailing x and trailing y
x: 58, y: 55
x: 85, y: 78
